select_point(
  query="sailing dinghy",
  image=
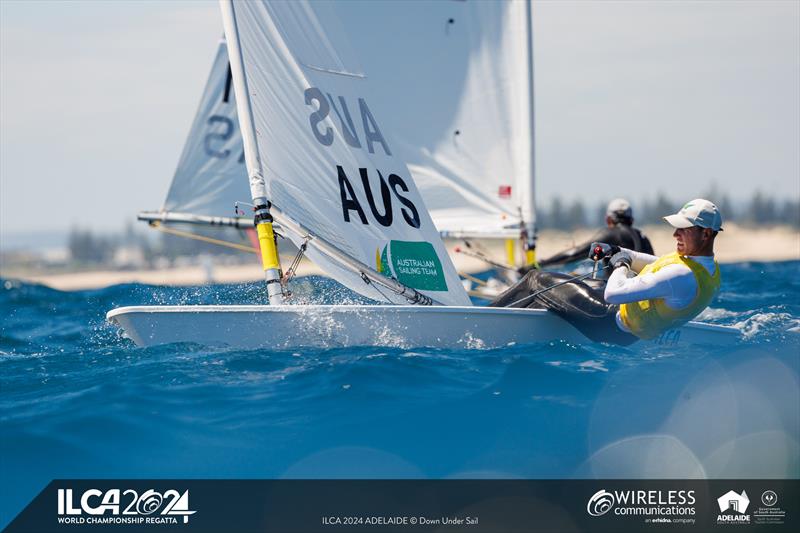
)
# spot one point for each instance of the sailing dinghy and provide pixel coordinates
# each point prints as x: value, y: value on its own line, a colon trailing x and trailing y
x: 331, y: 179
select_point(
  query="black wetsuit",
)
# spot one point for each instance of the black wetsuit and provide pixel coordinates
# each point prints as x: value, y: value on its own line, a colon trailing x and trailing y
x: 580, y: 303
x: 620, y: 235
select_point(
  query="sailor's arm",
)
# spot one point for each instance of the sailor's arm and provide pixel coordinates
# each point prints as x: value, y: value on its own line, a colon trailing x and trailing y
x: 640, y: 259
x: 673, y: 282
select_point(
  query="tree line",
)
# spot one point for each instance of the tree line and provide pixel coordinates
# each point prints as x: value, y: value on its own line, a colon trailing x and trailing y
x: 758, y: 210
x: 87, y: 247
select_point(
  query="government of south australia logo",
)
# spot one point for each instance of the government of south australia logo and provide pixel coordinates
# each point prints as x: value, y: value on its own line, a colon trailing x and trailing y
x: 600, y: 503
x: 769, y: 498
x: 733, y: 508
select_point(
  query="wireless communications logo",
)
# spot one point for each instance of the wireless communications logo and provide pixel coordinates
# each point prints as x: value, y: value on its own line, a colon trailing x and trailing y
x: 600, y: 503
x: 654, y: 506
x: 116, y: 506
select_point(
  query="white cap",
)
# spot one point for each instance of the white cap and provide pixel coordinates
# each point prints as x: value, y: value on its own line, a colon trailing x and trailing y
x: 698, y: 212
x: 619, y: 207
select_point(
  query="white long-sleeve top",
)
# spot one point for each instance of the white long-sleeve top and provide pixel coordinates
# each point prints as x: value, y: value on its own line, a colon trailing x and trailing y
x: 676, y: 284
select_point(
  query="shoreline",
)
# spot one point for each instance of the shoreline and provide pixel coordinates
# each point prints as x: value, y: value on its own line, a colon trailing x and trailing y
x: 734, y: 245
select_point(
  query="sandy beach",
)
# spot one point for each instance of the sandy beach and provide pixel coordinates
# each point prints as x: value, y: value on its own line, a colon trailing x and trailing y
x: 735, y: 244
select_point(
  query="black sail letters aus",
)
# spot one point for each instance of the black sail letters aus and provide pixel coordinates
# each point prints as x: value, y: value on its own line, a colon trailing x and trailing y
x: 395, y: 185
x: 386, y: 218
x: 411, y: 215
x: 349, y: 199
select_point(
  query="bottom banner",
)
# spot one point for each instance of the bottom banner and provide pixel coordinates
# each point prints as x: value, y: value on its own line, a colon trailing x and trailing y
x: 470, y: 506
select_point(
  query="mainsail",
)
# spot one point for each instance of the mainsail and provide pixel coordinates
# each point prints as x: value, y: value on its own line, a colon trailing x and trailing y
x: 463, y: 79
x: 315, y: 148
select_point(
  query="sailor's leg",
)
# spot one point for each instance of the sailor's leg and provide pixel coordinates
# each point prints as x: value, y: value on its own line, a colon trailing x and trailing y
x: 584, y: 307
x: 533, y: 281
x: 579, y: 303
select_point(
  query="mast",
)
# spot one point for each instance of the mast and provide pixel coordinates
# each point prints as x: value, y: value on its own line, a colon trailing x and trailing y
x: 528, y: 207
x: 258, y: 188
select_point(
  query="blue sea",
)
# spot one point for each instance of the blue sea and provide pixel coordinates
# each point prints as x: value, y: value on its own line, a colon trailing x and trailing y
x: 78, y: 400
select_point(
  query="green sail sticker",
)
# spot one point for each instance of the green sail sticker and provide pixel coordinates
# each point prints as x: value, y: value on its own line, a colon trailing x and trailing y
x: 414, y: 264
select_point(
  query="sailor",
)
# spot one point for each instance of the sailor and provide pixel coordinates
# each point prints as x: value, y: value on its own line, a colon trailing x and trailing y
x: 645, y: 295
x: 619, y: 231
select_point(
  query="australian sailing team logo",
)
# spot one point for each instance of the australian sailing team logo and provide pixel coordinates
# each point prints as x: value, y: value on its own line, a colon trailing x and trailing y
x: 414, y: 264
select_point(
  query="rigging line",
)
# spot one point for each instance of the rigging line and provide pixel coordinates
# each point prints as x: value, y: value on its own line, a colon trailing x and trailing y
x: 477, y: 294
x: 569, y: 280
x: 366, y: 280
x: 290, y: 273
x: 240, y: 247
x: 482, y: 257
x: 473, y: 279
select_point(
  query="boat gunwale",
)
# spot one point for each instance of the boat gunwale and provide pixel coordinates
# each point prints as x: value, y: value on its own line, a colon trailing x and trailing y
x: 352, y: 308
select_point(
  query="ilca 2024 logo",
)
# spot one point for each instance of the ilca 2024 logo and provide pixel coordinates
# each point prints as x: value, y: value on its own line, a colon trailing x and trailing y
x: 116, y: 506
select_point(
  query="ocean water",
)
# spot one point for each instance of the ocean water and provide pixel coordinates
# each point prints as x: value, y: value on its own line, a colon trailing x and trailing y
x: 78, y: 400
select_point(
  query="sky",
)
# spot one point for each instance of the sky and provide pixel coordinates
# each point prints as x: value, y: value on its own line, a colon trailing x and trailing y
x: 632, y: 98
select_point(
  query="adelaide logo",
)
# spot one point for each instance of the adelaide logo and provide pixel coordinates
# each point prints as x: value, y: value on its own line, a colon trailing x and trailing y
x: 733, y: 508
x: 600, y: 503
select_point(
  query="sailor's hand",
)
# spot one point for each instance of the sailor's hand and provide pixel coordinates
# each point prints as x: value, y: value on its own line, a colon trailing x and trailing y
x: 601, y: 250
x: 621, y: 258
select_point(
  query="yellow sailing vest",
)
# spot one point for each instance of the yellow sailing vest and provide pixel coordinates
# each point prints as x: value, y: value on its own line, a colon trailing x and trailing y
x: 649, y: 318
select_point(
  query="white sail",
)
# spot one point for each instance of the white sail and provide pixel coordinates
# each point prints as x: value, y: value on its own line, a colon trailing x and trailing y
x: 211, y: 175
x: 462, y: 79
x: 458, y: 76
x: 327, y: 159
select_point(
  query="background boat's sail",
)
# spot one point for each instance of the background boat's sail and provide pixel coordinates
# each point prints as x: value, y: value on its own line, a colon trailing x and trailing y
x: 461, y: 72
x: 211, y: 174
x: 327, y: 157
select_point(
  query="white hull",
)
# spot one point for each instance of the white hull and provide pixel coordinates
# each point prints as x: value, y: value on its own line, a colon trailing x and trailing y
x: 291, y: 326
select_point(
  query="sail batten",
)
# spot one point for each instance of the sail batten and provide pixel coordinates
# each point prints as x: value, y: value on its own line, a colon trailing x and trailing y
x: 328, y: 159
